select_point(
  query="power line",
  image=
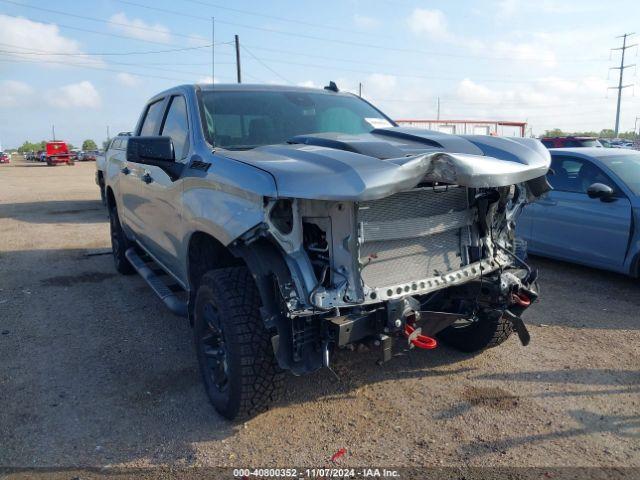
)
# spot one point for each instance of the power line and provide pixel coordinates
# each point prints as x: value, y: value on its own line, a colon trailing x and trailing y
x: 31, y: 51
x: 103, y: 68
x: 282, y: 19
x: 100, y: 20
x: 493, y: 104
x: 114, y: 35
x: 266, y: 66
x: 622, y: 68
x: 339, y: 41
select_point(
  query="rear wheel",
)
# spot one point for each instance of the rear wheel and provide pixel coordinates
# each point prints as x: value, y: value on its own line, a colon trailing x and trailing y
x: 240, y: 373
x: 487, y: 331
x: 119, y: 243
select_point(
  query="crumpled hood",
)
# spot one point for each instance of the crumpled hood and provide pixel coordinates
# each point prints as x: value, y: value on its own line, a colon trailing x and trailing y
x: 386, y: 161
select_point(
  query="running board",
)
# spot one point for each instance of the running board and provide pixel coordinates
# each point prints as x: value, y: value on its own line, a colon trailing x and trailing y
x: 170, y: 299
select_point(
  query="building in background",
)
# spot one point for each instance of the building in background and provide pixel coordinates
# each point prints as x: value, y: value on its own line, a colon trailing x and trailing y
x: 470, y: 127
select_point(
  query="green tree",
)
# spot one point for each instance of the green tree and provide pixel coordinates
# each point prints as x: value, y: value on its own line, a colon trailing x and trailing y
x: 607, y: 133
x: 556, y: 132
x: 31, y: 147
x: 631, y: 135
x: 89, y: 145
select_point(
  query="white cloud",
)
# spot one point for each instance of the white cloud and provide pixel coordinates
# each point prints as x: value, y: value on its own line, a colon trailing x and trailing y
x: 15, y: 94
x: 198, y: 40
x: 432, y: 23
x: 32, y: 39
x: 547, y: 102
x: 74, y: 95
x: 128, y: 80
x: 134, y: 27
x: 365, y: 22
x: 382, y: 82
x: 308, y: 84
x: 507, y: 8
x: 209, y: 79
x: 526, y: 52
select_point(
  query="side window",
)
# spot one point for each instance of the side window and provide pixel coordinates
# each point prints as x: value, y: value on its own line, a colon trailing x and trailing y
x: 152, y: 119
x: 176, y: 126
x: 576, y: 175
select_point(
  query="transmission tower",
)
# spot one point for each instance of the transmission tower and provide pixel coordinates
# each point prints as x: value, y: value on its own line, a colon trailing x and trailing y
x: 622, y: 68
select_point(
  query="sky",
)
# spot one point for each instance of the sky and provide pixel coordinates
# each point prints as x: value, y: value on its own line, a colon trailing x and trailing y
x: 91, y: 65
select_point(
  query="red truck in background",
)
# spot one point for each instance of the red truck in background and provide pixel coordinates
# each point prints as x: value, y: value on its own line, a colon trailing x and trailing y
x: 58, y: 152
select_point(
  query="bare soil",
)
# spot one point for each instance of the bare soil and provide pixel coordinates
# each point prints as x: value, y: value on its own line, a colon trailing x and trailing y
x: 95, y: 372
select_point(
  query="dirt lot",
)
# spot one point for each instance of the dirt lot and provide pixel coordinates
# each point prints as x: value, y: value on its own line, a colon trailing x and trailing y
x: 94, y: 371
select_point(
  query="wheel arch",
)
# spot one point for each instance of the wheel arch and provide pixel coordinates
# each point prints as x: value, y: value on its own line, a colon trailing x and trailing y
x: 269, y: 272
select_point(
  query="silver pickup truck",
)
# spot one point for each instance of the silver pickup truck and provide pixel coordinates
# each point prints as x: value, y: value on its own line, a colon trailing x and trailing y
x: 288, y: 222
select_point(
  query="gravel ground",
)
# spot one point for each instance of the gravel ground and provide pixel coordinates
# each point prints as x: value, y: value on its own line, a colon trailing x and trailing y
x: 95, y: 372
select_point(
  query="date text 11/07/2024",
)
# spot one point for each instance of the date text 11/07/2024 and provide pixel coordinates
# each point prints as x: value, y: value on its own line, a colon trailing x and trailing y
x: 316, y: 473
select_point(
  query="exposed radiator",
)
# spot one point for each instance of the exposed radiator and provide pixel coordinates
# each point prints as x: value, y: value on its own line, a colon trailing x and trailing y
x: 412, y: 235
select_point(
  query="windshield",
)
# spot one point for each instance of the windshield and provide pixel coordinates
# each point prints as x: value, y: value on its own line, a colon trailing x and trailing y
x: 627, y: 167
x: 248, y: 119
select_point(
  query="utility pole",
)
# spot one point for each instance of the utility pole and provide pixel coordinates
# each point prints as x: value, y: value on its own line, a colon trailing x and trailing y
x: 238, y: 59
x: 213, y: 49
x: 438, y: 115
x: 108, y: 134
x: 53, y: 133
x: 360, y: 89
x: 622, y: 67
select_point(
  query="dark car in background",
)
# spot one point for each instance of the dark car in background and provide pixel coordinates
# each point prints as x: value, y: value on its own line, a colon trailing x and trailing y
x: 570, y: 142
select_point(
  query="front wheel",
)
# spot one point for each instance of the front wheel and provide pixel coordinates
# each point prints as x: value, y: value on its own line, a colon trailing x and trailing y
x: 488, y: 330
x: 239, y: 370
x: 119, y: 243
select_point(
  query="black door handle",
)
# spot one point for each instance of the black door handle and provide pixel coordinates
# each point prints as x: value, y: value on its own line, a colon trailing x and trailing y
x: 125, y: 170
x: 146, y: 178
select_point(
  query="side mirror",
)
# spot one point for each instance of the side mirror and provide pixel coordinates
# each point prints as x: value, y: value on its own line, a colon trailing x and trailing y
x: 151, y: 150
x: 601, y: 191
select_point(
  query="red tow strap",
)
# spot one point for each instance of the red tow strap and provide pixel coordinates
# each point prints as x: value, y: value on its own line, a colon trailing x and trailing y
x: 420, y: 341
x: 521, y: 299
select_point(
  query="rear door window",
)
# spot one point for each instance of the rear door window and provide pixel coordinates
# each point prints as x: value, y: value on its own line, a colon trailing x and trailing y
x: 152, y: 119
x: 176, y: 126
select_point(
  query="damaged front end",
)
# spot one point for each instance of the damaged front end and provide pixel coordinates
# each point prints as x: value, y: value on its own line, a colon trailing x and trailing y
x: 431, y: 253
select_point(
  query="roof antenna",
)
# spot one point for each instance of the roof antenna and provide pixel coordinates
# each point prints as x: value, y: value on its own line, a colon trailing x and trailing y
x: 332, y: 86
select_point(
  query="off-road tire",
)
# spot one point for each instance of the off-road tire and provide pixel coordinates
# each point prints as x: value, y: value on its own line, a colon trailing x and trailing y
x: 490, y: 331
x: 119, y: 243
x: 254, y: 380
